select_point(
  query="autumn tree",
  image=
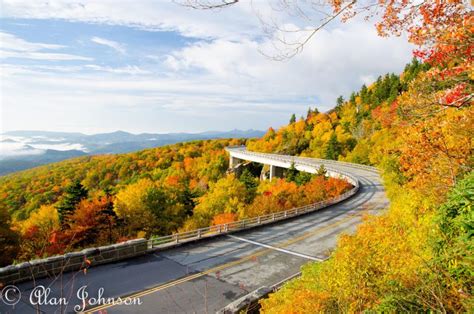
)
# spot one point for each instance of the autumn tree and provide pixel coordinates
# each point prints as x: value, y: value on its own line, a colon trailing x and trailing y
x: 39, y: 232
x: 168, y: 206
x: 93, y: 223
x: 9, y: 239
x: 227, y: 195
x: 273, y: 196
x: 131, y: 206
x: 224, y: 218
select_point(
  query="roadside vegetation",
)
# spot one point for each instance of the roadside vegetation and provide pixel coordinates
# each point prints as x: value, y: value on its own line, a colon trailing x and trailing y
x: 418, y: 128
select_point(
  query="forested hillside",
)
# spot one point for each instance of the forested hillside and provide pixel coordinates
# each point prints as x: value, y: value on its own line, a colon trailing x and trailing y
x: 71, y: 204
x: 93, y: 201
x: 418, y: 128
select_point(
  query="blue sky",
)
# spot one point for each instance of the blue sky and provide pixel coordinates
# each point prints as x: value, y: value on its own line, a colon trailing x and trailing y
x: 155, y: 66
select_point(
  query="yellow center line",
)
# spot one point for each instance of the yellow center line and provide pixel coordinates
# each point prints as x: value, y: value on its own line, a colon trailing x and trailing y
x: 230, y: 264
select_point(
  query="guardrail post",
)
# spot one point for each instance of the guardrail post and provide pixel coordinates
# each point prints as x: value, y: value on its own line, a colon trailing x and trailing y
x: 273, y: 216
x: 286, y: 213
x: 219, y: 229
x: 177, y: 238
x: 258, y: 220
x: 226, y: 228
x: 243, y: 223
x: 296, y: 211
x: 199, y: 233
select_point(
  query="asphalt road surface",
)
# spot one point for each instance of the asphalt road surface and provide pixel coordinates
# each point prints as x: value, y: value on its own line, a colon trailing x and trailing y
x: 204, y: 276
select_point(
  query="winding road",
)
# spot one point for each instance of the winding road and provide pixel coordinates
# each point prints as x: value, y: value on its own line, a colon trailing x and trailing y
x: 204, y: 276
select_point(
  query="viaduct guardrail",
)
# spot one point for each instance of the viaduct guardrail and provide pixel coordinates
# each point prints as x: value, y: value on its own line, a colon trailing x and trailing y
x: 193, y: 235
x: 308, y: 160
x: 216, y: 230
x: 75, y: 261
x: 55, y: 266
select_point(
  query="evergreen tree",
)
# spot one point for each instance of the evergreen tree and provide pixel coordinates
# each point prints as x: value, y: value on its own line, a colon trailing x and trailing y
x: 291, y: 173
x: 108, y: 217
x: 352, y: 99
x: 303, y: 178
x: 73, y: 194
x: 321, y: 171
x: 364, y: 93
x: 187, y: 198
x: 157, y: 203
x: 333, y: 149
x: 309, y: 113
x: 299, y: 177
x: 339, y: 103
x: 251, y: 184
x: 293, y: 119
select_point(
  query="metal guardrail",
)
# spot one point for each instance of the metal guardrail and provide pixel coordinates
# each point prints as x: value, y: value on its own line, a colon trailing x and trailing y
x: 246, y: 223
x: 306, y: 161
x: 211, y: 231
x: 310, y: 160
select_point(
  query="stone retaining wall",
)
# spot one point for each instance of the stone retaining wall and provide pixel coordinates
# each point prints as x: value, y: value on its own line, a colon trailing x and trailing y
x: 74, y: 261
x: 249, y: 303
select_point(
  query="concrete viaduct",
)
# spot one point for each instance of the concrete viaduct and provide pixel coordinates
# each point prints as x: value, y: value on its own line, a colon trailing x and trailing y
x: 204, y: 274
x: 278, y: 163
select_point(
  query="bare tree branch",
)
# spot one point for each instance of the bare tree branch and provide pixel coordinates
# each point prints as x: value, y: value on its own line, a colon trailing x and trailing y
x: 207, y: 5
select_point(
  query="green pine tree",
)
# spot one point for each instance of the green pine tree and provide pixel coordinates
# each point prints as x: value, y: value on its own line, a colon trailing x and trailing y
x: 291, y: 173
x: 333, y: 149
x: 303, y: 178
x: 321, y: 171
x: 74, y: 193
x: 251, y: 184
x: 309, y: 113
x: 339, y: 103
x: 293, y: 119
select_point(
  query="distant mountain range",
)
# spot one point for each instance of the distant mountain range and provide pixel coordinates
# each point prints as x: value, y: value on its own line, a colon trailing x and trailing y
x: 21, y: 150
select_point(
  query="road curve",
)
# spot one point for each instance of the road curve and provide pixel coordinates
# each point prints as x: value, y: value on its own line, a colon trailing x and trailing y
x: 205, y: 276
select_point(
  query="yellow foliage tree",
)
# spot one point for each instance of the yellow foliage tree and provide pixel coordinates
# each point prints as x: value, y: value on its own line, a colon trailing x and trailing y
x: 46, y: 218
x: 225, y: 196
x: 131, y: 207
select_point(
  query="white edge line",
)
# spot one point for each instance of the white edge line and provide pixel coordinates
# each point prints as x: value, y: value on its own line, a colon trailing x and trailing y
x: 277, y: 249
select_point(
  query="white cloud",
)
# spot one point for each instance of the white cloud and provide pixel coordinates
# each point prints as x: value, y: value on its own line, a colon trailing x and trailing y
x: 60, y: 147
x: 221, y: 82
x: 336, y: 62
x: 42, y: 56
x: 129, y: 69
x: 145, y: 14
x: 14, y: 47
x: 24, y: 146
x: 109, y: 43
x: 11, y: 42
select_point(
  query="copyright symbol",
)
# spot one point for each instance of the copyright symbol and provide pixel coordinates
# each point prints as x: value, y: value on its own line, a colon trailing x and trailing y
x: 10, y: 295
